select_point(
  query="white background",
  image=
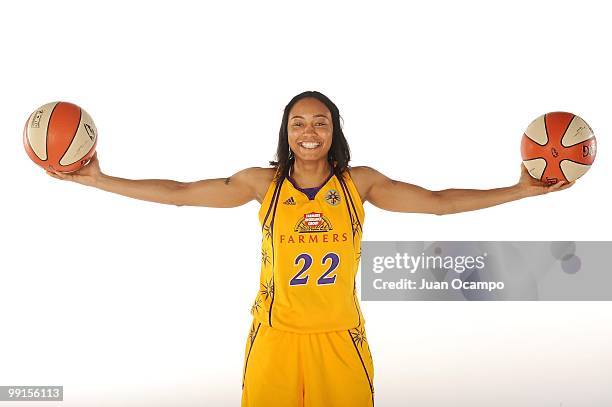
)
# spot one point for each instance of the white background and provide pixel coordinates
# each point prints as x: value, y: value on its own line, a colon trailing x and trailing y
x: 130, y: 303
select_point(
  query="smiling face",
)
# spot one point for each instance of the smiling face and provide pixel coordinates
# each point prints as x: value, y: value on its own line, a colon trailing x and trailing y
x: 310, y: 130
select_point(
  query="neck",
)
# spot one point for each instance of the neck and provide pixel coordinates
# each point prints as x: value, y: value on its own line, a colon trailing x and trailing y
x: 310, y: 174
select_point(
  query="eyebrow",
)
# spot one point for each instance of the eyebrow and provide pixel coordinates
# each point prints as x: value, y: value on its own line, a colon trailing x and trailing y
x: 316, y: 115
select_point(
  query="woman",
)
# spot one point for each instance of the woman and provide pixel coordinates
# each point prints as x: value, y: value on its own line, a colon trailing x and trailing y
x: 307, y: 344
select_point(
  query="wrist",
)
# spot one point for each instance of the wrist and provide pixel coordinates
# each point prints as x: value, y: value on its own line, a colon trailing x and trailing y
x: 523, y: 191
x: 96, y: 180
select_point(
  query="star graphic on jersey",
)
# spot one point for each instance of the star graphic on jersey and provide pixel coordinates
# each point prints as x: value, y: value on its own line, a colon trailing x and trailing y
x: 256, y: 305
x: 265, y: 258
x: 267, y: 289
x: 267, y: 233
x: 333, y: 197
x: 358, y: 336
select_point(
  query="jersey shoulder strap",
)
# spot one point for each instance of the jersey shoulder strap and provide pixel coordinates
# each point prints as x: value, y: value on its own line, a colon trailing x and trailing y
x: 352, y: 194
x: 270, y: 198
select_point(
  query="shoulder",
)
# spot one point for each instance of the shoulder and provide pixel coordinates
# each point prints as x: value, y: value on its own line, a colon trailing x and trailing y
x: 363, y: 174
x: 363, y: 178
x: 258, y: 178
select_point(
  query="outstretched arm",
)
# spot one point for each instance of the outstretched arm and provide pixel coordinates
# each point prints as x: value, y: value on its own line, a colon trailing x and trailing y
x: 240, y: 188
x: 397, y: 196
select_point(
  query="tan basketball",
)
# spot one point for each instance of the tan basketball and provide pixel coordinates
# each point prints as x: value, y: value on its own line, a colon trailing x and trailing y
x: 558, y: 146
x: 60, y: 136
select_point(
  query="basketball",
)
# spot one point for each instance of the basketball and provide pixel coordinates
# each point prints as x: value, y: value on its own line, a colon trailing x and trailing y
x: 558, y: 146
x: 60, y: 136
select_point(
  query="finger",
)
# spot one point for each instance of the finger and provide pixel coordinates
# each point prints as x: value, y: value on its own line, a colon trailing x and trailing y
x: 60, y: 175
x: 568, y: 185
x: 52, y: 175
x: 557, y: 185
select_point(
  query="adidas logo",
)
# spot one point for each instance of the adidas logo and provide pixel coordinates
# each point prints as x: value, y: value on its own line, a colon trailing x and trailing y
x: 290, y: 201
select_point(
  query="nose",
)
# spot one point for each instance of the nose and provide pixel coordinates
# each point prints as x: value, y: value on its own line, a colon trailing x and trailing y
x: 309, y: 128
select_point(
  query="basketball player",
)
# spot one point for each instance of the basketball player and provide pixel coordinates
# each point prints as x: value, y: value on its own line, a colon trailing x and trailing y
x: 307, y: 345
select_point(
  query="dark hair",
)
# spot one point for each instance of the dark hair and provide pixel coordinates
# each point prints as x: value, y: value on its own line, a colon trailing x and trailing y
x: 339, y: 152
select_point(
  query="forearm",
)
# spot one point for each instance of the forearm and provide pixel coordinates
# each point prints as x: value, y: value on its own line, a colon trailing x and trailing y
x: 463, y: 200
x: 153, y: 190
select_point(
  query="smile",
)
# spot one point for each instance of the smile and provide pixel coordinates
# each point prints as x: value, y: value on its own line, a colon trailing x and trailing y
x: 310, y: 145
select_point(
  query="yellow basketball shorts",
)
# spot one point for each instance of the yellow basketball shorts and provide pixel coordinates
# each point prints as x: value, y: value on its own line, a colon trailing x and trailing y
x: 287, y: 369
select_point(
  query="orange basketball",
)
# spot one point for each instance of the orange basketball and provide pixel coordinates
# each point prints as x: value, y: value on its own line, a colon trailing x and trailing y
x: 558, y: 146
x: 60, y: 136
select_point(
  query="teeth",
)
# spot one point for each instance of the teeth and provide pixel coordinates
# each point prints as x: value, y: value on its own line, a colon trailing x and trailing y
x: 306, y: 144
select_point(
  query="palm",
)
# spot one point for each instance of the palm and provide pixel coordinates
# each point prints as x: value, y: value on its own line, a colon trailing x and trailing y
x: 86, y: 175
x: 90, y: 169
x: 537, y: 187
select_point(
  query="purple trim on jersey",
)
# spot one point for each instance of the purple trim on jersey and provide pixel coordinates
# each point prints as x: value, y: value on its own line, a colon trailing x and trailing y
x: 310, y: 192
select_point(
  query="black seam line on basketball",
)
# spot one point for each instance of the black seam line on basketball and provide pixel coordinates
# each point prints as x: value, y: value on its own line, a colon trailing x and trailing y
x: 249, y: 354
x: 566, y: 129
x: 365, y: 370
x: 47, y: 132
x: 272, y: 241
x: 544, y: 170
x: 575, y: 162
x: 530, y: 139
x: 580, y: 142
x: 276, y: 188
x: 72, y: 139
x: 545, y: 165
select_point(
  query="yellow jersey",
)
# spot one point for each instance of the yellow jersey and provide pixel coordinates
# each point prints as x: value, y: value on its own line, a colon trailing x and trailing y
x: 310, y: 252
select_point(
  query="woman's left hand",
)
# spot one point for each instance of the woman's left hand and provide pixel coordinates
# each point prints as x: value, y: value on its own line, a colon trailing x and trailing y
x: 533, y: 187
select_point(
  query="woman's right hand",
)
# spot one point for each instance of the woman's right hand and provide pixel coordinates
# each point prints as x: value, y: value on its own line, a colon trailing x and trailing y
x: 87, y: 175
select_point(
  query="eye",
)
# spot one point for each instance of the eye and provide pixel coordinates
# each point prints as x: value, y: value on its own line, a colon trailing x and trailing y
x: 322, y: 124
x: 297, y: 124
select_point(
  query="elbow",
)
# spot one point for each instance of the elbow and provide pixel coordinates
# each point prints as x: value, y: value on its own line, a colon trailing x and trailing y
x: 441, y: 205
x: 440, y: 212
x: 177, y: 203
x: 177, y: 195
